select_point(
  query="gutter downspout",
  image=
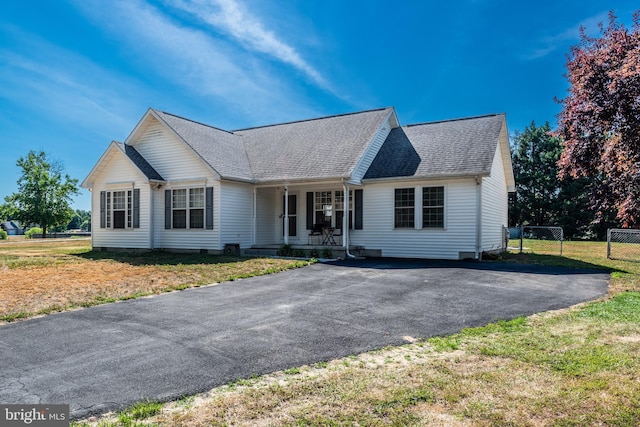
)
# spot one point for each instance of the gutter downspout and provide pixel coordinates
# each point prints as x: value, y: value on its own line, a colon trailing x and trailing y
x: 345, y: 221
x: 152, y: 228
x: 478, y: 251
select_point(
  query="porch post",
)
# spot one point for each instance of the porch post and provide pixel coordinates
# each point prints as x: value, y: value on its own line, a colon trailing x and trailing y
x: 286, y: 215
x: 254, y: 218
x: 345, y: 217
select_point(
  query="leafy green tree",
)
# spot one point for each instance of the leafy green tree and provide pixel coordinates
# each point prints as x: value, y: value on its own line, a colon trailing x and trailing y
x: 44, y: 194
x: 541, y: 198
x: 534, y: 162
x: 6, y: 212
x: 600, y: 119
x: 81, y: 220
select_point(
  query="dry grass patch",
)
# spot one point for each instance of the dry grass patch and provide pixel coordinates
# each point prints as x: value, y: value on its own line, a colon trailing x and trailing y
x: 38, y: 277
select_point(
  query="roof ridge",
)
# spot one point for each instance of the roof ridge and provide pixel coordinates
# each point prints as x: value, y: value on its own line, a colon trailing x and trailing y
x: 196, y: 122
x: 458, y: 119
x: 312, y: 119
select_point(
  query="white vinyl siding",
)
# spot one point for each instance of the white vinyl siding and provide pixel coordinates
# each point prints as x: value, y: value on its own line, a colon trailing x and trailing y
x: 186, y: 238
x: 168, y: 155
x: 236, y: 223
x: 439, y: 243
x: 121, y: 170
x: 181, y: 168
x: 494, y: 205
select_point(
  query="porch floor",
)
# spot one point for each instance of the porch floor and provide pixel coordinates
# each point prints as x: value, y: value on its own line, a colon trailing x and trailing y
x: 337, y: 251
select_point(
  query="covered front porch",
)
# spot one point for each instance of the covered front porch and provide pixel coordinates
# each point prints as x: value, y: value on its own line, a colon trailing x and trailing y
x: 307, y: 216
x: 308, y: 220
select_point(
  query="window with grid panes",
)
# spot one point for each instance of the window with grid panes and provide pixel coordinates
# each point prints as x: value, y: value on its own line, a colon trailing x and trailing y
x: 322, y: 198
x: 196, y: 208
x: 187, y: 207
x: 108, y: 211
x: 433, y: 207
x: 179, y: 208
x: 340, y: 209
x: 404, y: 208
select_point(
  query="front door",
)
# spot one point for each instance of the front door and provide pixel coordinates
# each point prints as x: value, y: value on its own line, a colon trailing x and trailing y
x: 293, y: 215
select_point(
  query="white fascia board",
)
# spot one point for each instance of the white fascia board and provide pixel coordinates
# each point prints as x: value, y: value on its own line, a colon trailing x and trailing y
x: 505, y: 150
x: 302, y: 181
x: 88, y: 182
x: 370, y: 143
x: 425, y: 178
x: 138, y: 127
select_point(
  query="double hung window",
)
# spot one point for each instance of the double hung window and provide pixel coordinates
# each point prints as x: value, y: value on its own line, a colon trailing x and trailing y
x: 433, y: 207
x: 340, y: 209
x: 187, y: 208
x: 322, y: 200
x: 407, y: 201
x: 116, y: 209
x: 404, y: 208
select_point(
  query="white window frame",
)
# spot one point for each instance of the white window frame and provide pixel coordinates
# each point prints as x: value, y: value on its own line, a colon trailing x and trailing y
x: 443, y: 207
x: 395, y: 209
x: 110, y: 208
x: 189, y: 206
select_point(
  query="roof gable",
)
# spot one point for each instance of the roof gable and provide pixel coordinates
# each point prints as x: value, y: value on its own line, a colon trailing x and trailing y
x: 324, y: 148
x: 139, y: 161
x: 221, y: 150
x: 128, y: 152
x: 461, y: 147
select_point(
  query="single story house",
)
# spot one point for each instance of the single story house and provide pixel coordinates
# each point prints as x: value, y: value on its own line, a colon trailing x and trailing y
x: 359, y: 181
x: 12, y: 228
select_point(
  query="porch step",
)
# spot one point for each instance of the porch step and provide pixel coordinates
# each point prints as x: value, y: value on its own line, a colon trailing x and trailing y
x: 260, y: 252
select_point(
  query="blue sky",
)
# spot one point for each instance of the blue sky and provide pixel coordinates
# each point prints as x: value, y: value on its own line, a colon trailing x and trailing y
x: 77, y: 74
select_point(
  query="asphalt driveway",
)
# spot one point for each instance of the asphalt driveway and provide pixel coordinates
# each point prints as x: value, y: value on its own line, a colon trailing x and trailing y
x: 163, y: 347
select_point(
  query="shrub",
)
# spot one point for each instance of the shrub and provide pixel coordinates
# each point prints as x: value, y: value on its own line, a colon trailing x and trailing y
x: 299, y: 253
x: 3, y: 235
x: 314, y: 253
x: 327, y: 253
x: 34, y: 230
x: 285, y: 250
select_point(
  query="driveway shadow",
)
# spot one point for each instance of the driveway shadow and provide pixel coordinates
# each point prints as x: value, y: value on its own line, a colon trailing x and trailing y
x: 577, y: 267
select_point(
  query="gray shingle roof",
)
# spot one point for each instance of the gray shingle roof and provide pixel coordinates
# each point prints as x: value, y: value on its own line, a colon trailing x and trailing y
x: 328, y: 147
x: 222, y: 150
x: 462, y: 147
x: 139, y: 161
x: 331, y: 147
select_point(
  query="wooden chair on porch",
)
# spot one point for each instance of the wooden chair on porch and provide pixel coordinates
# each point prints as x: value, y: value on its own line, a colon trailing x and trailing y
x: 315, y: 231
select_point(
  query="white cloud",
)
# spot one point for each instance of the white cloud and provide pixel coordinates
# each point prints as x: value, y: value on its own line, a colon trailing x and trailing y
x: 188, y: 57
x: 551, y: 43
x: 232, y: 19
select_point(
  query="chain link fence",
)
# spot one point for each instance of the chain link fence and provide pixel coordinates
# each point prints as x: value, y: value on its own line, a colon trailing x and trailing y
x: 536, y: 239
x: 623, y: 244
